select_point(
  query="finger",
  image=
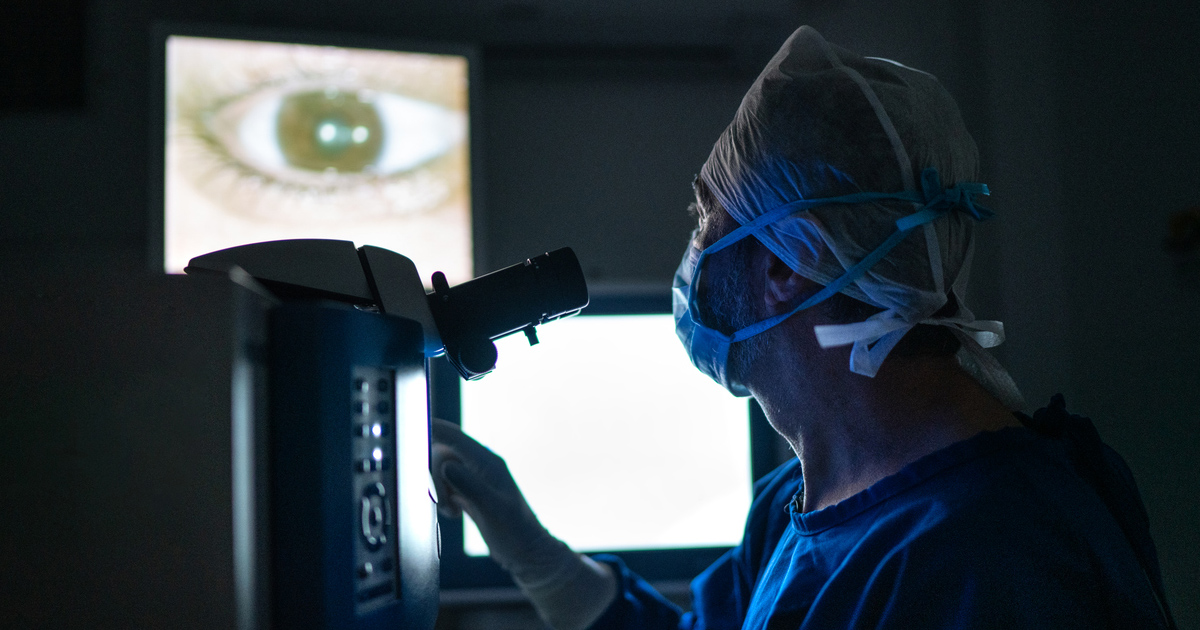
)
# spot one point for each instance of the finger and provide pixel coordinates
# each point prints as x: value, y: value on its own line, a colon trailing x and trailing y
x: 459, y: 486
x: 442, y: 428
x: 440, y: 454
x: 450, y: 434
x: 448, y: 508
x: 456, y: 504
x: 462, y: 481
x: 469, y: 487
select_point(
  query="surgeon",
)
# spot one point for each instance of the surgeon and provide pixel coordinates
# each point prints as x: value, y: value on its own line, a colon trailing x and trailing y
x: 827, y: 278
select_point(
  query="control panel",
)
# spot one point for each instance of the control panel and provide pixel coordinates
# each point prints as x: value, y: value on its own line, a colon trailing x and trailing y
x: 373, y: 433
x: 352, y: 524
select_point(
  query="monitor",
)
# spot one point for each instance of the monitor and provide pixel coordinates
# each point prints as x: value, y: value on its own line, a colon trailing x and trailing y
x: 617, y: 442
x: 266, y: 136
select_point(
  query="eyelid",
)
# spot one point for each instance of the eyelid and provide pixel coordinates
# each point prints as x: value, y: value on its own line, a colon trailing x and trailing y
x: 206, y: 75
x: 244, y: 128
x: 205, y: 91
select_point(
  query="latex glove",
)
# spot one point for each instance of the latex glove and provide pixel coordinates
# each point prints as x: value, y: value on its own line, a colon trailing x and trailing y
x: 569, y: 590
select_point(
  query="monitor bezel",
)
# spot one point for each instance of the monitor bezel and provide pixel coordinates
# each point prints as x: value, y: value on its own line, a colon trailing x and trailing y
x: 161, y: 31
x: 463, y: 574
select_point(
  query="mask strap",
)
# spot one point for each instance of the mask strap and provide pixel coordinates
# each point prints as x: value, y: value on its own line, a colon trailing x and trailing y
x: 936, y: 203
x: 852, y: 274
x: 785, y: 210
x: 986, y: 333
x: 794, y: 207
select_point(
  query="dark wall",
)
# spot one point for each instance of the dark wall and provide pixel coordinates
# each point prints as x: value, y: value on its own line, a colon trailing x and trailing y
x: 1085, y: 115
x: 1130, y: 157
x: 601, y: 162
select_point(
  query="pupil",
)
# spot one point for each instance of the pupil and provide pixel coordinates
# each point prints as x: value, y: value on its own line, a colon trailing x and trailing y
x: 324, y: 130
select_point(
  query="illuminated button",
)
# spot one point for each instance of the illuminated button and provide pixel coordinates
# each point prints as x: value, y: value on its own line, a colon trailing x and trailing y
x: 378, y: 430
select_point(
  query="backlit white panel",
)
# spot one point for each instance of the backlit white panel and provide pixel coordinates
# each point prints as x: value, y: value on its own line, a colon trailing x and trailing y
x: 616, y: 440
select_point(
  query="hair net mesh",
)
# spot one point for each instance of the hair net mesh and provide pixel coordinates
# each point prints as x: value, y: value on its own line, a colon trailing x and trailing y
x: 821, y: 121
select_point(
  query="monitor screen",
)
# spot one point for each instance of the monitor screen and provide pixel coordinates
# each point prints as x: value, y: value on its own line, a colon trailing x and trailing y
x: 268, y: 139
x: 617, y: 442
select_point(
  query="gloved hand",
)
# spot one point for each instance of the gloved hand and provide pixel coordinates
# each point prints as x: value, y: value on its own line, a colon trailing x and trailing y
x: 569, y: 590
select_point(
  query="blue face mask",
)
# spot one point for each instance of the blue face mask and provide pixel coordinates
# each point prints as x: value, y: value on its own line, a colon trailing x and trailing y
x: 708, y: 349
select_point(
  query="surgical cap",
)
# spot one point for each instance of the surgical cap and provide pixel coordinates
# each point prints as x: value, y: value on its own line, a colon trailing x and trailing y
x: 821, y: 121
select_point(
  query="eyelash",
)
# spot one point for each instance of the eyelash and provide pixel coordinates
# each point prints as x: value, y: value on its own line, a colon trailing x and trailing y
x: 196, y: 121
x: 239, y: 184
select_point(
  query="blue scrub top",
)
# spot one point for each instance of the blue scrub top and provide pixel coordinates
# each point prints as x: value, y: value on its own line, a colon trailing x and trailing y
x: 1017, y: 528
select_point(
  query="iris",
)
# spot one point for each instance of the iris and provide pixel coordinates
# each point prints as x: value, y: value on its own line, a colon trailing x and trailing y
x: 329, y: 129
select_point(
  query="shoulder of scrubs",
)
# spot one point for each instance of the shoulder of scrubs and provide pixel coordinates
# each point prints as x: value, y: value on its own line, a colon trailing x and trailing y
x: 998, y: 531
x: 720, y: 594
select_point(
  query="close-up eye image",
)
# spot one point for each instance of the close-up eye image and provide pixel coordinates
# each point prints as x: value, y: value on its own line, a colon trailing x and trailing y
x: 268, y: 141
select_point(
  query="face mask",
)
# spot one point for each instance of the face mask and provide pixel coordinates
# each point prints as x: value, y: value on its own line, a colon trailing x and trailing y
x: 708, y: 349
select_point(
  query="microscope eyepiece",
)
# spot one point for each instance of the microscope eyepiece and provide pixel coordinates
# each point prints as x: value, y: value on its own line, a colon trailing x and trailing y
x: 471, y: 315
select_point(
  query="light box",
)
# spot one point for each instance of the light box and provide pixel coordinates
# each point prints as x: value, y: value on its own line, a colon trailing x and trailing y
x: 618, y: 443
x: 281, y: 136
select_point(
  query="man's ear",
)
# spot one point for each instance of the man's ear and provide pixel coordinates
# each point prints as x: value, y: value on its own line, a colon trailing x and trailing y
x: 783, y: 286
